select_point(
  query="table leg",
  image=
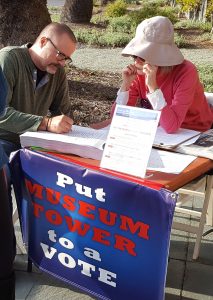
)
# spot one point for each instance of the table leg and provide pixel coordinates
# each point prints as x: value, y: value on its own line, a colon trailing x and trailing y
x: 209, y: 216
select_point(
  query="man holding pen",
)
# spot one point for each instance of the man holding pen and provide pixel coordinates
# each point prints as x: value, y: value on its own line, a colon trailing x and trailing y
x: 37, y: 89
x: 37, y: 85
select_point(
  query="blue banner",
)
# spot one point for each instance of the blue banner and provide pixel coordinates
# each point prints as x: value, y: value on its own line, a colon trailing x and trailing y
x: 105, y: 235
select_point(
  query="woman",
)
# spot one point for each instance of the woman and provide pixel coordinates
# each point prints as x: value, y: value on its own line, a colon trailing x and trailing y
x: 7, y: 278
x: 161, y: 79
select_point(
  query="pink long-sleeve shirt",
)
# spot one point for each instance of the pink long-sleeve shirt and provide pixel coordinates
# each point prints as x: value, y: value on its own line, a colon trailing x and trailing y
x: 186, y: 107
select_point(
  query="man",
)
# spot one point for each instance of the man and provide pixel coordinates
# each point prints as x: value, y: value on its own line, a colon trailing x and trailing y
x: 37, y: 96
x: 37, y: 85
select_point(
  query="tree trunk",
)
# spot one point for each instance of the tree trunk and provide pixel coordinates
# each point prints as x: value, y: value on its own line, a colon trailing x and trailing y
x: 21, y: 21
x: 105, y: 2
x: 77, y: 11
x: 203, y: 8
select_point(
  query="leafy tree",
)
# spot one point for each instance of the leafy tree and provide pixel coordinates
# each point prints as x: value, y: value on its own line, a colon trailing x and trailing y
x: 22, y: 20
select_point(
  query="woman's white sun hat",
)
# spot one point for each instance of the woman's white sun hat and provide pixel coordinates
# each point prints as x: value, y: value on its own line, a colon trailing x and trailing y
x: 154, y: 42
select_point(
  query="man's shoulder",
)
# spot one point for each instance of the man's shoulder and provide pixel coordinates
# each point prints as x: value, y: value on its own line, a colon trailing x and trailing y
x: 13, y: 50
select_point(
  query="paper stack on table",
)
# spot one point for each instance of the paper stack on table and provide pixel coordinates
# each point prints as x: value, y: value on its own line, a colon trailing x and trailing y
x: 82, y: 141
x: 88, y: 142
x: 169, y: 141
x: 203, y: 146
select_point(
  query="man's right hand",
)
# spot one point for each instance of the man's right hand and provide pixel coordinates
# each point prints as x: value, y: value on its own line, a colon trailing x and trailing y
x: 58, y: 124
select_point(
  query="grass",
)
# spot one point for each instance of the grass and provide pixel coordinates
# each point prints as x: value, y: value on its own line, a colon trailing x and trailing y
x: 54, y: 12
x: 206, y: 75
x: 190, y: 24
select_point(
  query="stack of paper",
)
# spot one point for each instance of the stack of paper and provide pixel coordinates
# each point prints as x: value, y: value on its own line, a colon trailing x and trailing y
x: 168, y: 141
x: 165, y: 161
x: 203, y: 146
x: 88, y: 142
x: 82, y: 141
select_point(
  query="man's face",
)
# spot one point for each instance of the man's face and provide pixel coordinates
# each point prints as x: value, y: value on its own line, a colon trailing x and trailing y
x: 56, y: 51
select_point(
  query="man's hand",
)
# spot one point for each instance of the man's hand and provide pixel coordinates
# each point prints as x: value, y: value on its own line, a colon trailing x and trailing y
x: 58, y: 124
x: 128, y: 75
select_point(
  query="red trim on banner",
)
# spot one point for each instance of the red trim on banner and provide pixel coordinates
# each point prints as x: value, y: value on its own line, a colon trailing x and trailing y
x: 144, y: 182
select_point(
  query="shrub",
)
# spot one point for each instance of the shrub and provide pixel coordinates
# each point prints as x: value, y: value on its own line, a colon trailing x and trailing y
x: 100, y: 19
x: 115, y: 39
x: 204, y: 37
x: 87, y: 36
x: 190, y: 24
x: 121, y: 24
x: 206, y: 75
x: 132, y: 1
x: 147, y: 11
x: 169, y: 12
x: 116, y: 9
x: 180, y: 41
x: 103, y: 38
x: 153, y: 9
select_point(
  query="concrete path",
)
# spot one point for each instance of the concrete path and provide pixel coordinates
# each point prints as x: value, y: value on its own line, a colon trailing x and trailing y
x: 111, y: 60
x: 55, y: 2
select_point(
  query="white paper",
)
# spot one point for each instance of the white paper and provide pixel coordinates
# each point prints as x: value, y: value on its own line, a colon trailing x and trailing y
x: 163, y: 139
x: 82, y: 141
x: 130, y: 140
x: 169, y: 162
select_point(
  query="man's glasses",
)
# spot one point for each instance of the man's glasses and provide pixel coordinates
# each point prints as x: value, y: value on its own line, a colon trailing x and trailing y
x: 60, y: 56
x: 137, y: 57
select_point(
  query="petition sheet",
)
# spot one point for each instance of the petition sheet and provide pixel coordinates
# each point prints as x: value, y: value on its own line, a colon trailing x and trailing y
x: 169, y: 162
x: 130, y: 140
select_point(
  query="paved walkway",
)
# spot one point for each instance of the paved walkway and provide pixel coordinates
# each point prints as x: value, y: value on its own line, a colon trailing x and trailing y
x: 111, y: 60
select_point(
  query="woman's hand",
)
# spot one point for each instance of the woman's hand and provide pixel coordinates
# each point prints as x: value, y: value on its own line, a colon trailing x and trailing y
x: 150, y: 77
x: 128, y: 75
x: 101, y: 124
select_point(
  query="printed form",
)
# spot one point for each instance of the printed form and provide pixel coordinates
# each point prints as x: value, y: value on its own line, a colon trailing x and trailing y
x: 130, y: 140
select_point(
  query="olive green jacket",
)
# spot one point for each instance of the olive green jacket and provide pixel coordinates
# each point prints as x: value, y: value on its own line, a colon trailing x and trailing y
x: 26, y: 102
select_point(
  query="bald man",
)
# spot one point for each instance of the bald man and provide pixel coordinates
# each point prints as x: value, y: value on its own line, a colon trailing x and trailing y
x: 37, y: 96
x: 37, y: 86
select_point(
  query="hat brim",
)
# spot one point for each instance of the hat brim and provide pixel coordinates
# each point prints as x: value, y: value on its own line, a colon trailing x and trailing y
x: 161, y: 55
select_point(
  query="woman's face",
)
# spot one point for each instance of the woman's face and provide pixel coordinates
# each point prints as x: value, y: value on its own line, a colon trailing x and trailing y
x: 139, y: 64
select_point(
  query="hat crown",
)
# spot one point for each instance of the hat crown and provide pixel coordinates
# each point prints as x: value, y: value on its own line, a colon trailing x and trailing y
x: 157, y: 30
x: 154, y: 42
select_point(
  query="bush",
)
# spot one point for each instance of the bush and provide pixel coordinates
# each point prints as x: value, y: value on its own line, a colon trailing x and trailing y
x: 100, y: 20
x: 114, y: 39
x: 132, y: 1
x: 116, y: 9
x: 121, y: 24
x: 180, y: 41
x: 87, y: 36
x: 103, y: 38
x: 169, y: 12
x: 147, y: 11
x: 206, y: 75
x: 190, y: 24
x: 151, y: 10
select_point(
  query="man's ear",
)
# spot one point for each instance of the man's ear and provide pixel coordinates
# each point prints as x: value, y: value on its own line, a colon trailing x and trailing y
x: 42, y: 41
